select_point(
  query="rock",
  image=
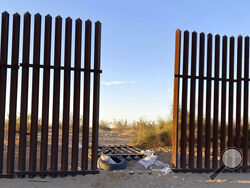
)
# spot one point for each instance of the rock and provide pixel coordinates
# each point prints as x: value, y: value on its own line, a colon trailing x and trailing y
x: 131, y: 172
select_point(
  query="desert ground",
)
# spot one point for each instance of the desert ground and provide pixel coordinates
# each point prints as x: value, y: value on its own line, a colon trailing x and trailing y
x: 140, y: 177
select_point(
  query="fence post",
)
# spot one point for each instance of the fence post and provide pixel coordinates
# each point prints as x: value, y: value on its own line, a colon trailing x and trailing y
x: 192, y: 100
x: 46, y: 88
x: 223, y: 94
x: 24, y: 92
x: 184, y: 100
x: 238, y: 91
x: 208, y: 101
x: 35, y: 93
x: 176, y: 100
x: 76, y: 110
x: 3, y: 74
x: 13, y: 93
x: 231, y: 93
x: 96, y: 97
x: 66, y: 94
x: 245, y: 115
x: 86, y: 98
x: 56, y: 93
x: 200, y: 101
x: 216, y: 100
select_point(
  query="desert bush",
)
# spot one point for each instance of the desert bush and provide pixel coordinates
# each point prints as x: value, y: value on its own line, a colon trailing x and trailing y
x: 104, y: 125
x: 150, y: 134
x: 120, y: 125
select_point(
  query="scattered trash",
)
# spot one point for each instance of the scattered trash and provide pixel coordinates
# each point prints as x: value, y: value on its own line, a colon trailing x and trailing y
x: 107, y: 159
x: 111, y: 163
x: 150, y: 162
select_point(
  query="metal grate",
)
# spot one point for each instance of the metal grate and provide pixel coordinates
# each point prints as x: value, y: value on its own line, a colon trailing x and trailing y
x: 126, y: 151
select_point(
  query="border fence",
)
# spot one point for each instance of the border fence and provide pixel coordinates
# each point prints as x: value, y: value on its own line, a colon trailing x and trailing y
x: 211, y: 97
x: 26, y: 149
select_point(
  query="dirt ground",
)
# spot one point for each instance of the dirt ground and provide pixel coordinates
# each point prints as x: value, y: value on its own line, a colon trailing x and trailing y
x: 122, y: 179
x: 139, y: 178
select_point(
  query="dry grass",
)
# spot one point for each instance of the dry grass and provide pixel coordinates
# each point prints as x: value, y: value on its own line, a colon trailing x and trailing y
x: 145, y: 134
x: 150, y: 134
x: 104, y: 125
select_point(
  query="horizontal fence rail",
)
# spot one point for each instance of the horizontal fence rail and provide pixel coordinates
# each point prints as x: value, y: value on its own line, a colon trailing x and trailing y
x: 38, y: 134
x: 210, y: 108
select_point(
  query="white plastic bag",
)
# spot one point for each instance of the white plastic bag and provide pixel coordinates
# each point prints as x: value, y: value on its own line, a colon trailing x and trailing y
x: 108, y: 159
x: 150, y: 162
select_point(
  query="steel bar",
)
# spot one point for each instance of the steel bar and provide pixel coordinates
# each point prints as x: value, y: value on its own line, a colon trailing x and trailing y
x: 46, y: 89
x: 246, y: 103
x: 208, y: 102
x: 56, y: 93
x: 216, y: 101
x: 86, y: 96
x: 57, y: 68
x: 3, y: 75
x: 13, y: 93
x: 192, y: 101
x: 238, y: 91
x: 96, y: 95
x: 231, y: 94
x: 35, y: 94
x: 76, y: 108
x: 24, y: 93
x: 200, y: 101
x: 184, y: 102
x: 176, y: 100
x: 223, y: 94
x: 66, y: 94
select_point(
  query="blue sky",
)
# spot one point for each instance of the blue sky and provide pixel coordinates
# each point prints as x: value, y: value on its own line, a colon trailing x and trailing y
x: 138, y: 44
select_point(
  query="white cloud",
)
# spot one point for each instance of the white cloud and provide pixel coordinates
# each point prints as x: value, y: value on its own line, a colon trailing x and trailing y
x: 118, y: 82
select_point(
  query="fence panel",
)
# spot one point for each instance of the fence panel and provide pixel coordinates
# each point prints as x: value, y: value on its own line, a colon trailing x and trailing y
x: 213, y: 100
x: 39, y: 140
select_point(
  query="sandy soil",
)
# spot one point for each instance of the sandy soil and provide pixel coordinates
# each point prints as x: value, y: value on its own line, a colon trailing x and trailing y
x: 122, y: 179
x: 140, y: 177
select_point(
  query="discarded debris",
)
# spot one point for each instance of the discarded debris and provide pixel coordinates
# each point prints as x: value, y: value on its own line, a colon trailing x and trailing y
x: 111, y: 163
x: 150, y: 162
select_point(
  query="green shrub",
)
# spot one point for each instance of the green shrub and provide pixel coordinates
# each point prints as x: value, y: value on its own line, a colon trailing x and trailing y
x: 150, y: 134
